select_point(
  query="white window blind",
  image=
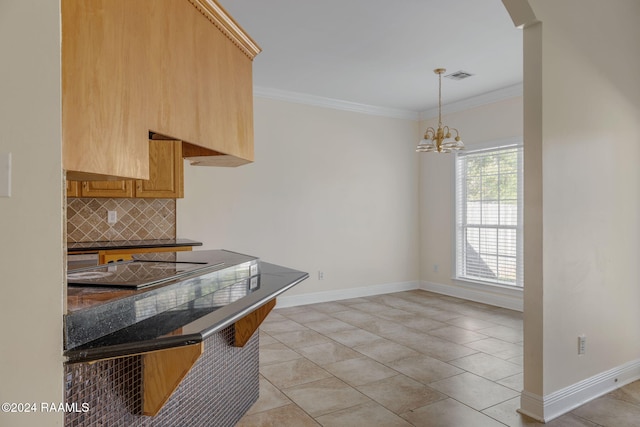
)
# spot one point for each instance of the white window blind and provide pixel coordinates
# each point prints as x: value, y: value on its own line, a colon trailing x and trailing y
x: 489, y: 215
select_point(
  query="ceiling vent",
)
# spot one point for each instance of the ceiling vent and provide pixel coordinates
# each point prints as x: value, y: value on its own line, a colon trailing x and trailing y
x: 459, y: 75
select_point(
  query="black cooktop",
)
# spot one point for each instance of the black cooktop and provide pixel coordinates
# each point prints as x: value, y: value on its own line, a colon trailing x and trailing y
x: 136, y: 274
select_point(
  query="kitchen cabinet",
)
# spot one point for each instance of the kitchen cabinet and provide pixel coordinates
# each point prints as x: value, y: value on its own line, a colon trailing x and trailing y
x: 177, y: 68
x: 166, y: 177
x: 104, y: 89
x: 106, y: 189
x: 73, y: 189
x: 166, y: 174
x: 204, y: 84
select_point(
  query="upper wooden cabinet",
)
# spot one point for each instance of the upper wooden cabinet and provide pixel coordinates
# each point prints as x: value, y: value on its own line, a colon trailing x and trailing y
x: 178, y: 68
x: 166, y: 177
x: 113, y: 189
x: 166, y: 174
x: 204, y: 81
x: 104, y: 90
x: 73, y: 189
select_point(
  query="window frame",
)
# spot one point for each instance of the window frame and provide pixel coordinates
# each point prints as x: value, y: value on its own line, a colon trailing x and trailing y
x: 489, y: 146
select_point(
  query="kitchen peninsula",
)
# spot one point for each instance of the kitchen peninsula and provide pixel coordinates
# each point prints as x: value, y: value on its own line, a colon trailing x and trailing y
x: 197, y: 328
x: 145, y: 85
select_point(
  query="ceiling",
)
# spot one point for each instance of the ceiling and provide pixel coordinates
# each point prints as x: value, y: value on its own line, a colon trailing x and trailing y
x: 381, y: 53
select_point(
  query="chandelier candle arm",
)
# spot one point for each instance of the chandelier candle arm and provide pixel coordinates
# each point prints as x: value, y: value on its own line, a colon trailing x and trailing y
x: 438, y: 140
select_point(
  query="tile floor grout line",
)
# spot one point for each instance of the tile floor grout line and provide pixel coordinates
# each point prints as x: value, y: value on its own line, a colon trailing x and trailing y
x: 497, y: 323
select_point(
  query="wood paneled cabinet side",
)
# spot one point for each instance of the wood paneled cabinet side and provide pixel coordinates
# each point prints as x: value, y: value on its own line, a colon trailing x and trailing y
x: 205, y: 85
x: 104, y: 88
x: 182, y: 69
x: 165, y: 172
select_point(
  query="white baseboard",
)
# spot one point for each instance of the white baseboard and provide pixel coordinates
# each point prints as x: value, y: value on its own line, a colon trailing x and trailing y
x: 562, y: 401
x: 325, y: 296
x: 492, y: 295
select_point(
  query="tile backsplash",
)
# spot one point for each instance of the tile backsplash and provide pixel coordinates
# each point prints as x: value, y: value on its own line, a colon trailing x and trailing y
x: 138, y: 219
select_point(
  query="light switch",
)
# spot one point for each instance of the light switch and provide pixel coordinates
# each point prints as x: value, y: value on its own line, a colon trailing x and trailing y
x: 5, y: 174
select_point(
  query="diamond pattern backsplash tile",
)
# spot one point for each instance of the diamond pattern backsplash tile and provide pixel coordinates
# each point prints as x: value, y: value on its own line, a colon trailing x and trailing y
x: 138, y: 219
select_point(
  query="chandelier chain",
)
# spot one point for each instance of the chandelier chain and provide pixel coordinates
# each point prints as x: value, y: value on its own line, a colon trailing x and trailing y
x: 439, y: 100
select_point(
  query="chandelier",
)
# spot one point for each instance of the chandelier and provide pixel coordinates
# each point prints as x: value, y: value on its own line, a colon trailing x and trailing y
x: 439, y: 140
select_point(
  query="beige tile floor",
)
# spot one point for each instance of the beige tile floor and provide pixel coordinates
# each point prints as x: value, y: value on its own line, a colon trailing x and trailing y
x: 406, y: 359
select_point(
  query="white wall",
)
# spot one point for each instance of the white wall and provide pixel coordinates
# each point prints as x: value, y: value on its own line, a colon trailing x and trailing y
x: 582, y: 123
x: 330, y: 190
x: 498, y: 121
x: 591, y: 186
x: 31, y: 254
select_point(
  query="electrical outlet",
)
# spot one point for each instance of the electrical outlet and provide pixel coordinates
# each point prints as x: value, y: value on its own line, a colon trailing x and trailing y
x: 582, y: 344
x: 435, y: 268
x: 320, y: 275
x: 112, y: 217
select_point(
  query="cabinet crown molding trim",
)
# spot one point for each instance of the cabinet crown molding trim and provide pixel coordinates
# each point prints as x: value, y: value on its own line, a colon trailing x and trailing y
x: 225, y: 23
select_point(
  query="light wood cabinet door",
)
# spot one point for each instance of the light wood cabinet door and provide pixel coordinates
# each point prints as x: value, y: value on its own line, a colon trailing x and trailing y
x: 165, y: 172
x: 73, y: 189
x: 113, y: 189
x: 107, y: 257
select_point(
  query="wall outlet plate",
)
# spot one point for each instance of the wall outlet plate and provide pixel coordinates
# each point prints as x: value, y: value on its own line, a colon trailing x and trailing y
x: 582, y: 344
x: 112, y: 217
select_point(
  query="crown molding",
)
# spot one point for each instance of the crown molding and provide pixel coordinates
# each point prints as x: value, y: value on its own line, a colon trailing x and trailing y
x: 475, y: 101
x: 336, y: 104
x: 219, y: 17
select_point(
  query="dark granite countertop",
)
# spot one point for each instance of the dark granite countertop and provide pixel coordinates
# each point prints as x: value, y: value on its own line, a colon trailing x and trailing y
x: 129, y: 244
x: 105, y: 322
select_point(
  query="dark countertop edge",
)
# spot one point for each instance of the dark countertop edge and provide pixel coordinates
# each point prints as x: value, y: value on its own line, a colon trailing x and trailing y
x: 129, y: 244
x: 234, y: 316
x: 126, y: 350
x: 230, y: 314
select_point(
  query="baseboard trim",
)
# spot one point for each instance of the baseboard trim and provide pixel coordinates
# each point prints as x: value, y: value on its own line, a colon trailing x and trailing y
x: 560, y: 402
x: 326, y: 296
x: 506, y: 298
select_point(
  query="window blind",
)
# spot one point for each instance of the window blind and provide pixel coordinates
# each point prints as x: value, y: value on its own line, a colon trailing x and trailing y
x: 489, y: 215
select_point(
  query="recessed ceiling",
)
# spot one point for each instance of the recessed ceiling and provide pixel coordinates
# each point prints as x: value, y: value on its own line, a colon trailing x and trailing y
x: 382, y: 53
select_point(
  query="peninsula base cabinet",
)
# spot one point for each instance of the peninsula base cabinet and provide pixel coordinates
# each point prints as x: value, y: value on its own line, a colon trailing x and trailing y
x: 218, y: 390
x: 166, y: 177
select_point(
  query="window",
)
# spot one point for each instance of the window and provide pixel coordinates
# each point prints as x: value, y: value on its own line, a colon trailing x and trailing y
x: 489, y: 215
